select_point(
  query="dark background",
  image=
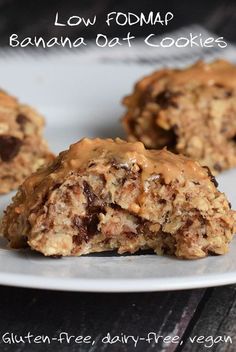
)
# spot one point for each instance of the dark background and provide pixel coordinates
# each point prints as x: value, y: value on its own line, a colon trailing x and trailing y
x: 184, y: 313
x: 36, y: 17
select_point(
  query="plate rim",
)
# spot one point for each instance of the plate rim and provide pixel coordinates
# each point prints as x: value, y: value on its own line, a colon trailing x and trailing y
x: 116, y: 285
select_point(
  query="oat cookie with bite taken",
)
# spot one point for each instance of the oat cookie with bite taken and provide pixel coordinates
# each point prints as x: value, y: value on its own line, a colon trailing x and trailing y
x: 102, y: 195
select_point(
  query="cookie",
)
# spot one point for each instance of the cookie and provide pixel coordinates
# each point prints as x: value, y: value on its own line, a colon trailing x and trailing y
x: 191, y: 111
x: 22, y: 148
x: 103, y: 195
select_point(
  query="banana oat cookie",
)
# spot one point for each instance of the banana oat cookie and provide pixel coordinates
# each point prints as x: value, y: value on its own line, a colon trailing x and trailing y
x: 103, y: 195
x: 191, y: 111
x: 22, y: 148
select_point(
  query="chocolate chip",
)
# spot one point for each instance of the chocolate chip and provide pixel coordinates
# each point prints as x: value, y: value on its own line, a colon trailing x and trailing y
x: 165, y: 99
x: 91, y: 222
x: 115, y: 206
x: 94, y: 205
x: 162, y: 201
x: 132, y: 125
x: 188, y: 223
x: 212, y: 178
x: 82, y: 230
x: 21, y: 119
x: 92, y: 164
x: 202, y: 220
x: 89, y: 193
x: 213, y: 253
x: 77, y: 240
x: 130, y: 235
x: 86, y: 226
x: 172, y: 135
x: 227, y: 92
x: 233, y: 139
x: 217, y: 167
x: 9, y: 147
x: 218, y: 85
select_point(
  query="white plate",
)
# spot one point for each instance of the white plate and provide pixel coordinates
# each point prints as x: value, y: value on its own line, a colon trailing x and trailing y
x: 84, y: 100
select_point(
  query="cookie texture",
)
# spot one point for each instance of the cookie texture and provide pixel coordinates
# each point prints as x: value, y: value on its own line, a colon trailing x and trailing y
x: 105, y: 195
x: 191, y: 111
x: 22, y: 148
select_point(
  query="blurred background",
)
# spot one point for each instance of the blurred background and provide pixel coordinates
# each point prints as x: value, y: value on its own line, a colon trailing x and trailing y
x: 36, y: 17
